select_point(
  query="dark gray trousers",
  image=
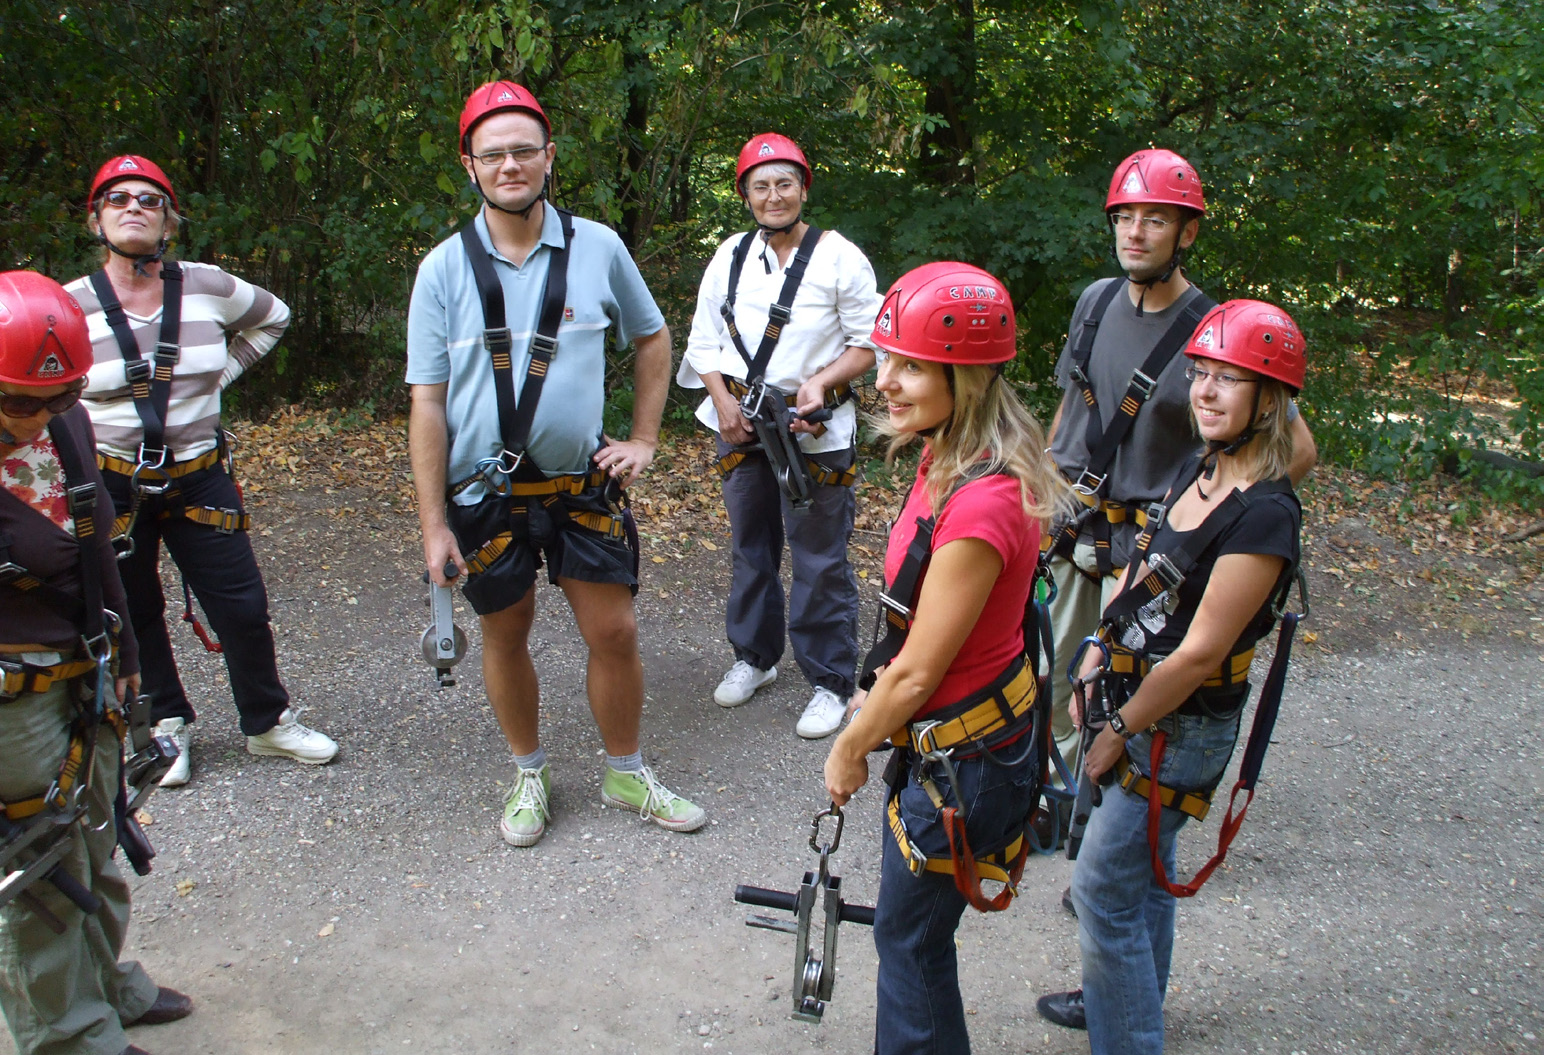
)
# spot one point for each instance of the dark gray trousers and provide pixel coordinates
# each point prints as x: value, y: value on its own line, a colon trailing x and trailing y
x: 822, y: 602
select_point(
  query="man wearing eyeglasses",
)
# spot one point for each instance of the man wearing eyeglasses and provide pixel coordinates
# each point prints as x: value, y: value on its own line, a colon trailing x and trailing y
x: 506, y: 357
x: 1123, y: 426
x: 791, y: 306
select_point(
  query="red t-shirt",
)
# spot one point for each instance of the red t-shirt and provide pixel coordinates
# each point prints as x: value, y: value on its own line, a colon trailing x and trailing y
x: 986, y: 509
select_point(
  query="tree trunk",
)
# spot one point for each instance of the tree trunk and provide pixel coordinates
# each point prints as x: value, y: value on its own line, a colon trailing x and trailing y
x: 635, y: 127
x: 951, y: 94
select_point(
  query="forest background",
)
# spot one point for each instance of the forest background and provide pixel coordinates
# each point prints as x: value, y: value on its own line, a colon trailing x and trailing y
x: 1374, y: 167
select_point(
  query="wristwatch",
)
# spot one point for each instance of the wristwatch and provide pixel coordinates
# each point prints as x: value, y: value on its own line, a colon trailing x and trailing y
x: 1119, y: 725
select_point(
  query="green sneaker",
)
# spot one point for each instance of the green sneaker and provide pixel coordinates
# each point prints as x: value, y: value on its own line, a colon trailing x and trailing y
x: 647, y: 797
x: 526, y: 812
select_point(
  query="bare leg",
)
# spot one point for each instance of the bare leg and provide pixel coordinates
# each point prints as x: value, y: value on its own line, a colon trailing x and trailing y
x: 614, y: 676
x: 509, y: 675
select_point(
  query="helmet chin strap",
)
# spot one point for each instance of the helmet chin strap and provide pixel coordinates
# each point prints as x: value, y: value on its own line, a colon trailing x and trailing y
x: 783, y: 229
x: 1216, y: 448
x: 1176, y: 261
x: 525, y: 213
x: 140, y: 259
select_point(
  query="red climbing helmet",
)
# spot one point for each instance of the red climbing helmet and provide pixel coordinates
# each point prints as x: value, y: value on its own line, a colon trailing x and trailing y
x: 1255, y: 335
x: 947, y: 312
x: 769, y: 146
x: 495, y: 97
x: 1159, y: 177
x: 43, y: 335
x: 129, y: 166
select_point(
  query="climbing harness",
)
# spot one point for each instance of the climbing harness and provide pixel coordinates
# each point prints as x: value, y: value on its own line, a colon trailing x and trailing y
x: 814, y: 967
x: 1103, y: 442
x: 767, y: 408
x: 1222, y: 694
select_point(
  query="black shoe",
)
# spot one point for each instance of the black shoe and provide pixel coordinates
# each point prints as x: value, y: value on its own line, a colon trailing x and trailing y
x: 1047, y: 831
x: 1065, y: 1009
x: 132, y: 1050
x: 1068, y: 904
x: 169, y: 1006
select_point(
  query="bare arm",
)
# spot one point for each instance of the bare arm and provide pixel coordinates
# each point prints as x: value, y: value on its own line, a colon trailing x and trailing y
x: 626, y: 459
x: 428, y: 443
x: 1050, y: 436
x: 1305, y: 453
x: 1239, y: 585
x: 959, y: 580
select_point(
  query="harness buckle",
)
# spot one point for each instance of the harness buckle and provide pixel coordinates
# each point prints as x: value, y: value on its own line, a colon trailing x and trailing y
x: 1160, y: 565
x: 1078, y: 375
x: 10, y: 571
x: 166, y: 352
x: 81, y: 499
x: 498, y: 340
x: 895, y: 606
x: 1154, y: 513
x: 1142, y: 384
x: 230, y: 521
x: 540, y: 342
x: 144, y: 459
x: 779, y: 314
x: 1088, y: 483
x: 137, y: 371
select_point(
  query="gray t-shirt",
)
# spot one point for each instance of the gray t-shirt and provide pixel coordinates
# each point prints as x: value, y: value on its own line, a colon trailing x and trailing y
x: 1162, y: 435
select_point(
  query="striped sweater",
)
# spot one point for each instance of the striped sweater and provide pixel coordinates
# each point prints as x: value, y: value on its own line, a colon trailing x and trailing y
x: 227, y: 325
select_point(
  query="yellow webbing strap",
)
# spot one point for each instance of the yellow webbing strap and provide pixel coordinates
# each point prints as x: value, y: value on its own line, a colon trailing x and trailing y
x: 605, y: 523
x: 41, y: 679
x: 993, y: 866
x: 226, y: 520
x: 978, y: 723
x: 171, y: 472
x: 69, y: 772
x: 493, y: 549
x: 1233, y: 671
x: 1193, y: 803
x: 819, y: 473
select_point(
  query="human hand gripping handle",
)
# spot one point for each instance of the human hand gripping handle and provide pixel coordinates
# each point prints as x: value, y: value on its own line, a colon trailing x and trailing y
x: 442, y: 557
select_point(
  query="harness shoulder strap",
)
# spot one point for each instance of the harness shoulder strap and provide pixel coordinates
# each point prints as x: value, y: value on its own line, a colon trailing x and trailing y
x: 150, y: 382
x: 778, y: 313
x: 82, y: 496
x: 1102, y: 442
x: 515, y: 419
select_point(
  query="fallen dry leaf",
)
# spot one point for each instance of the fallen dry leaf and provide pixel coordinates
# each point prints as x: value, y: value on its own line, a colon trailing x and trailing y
x: 185, y: 887
x: 325, y: 932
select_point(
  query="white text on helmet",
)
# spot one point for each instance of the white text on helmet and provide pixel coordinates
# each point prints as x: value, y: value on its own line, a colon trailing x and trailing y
x: 972, y: 293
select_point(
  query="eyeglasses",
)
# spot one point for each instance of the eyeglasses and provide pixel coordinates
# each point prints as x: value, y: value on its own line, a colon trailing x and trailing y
x: 494, y: 158
x: 119, y: 199
x: 17, y: 406
x: 784, y: 187
x: 1224, y: 381
x: 1150, y: 224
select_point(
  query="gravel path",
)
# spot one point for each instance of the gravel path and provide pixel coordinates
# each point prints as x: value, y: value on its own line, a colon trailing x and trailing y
x: 1382, y: 897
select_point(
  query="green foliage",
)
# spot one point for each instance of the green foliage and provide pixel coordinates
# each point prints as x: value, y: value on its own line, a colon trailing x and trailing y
x: 1372, y: 167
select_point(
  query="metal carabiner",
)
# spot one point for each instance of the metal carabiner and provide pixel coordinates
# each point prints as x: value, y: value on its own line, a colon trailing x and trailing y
x: 1081, y: 650
x: 836, y: 837
x: 141, y: 487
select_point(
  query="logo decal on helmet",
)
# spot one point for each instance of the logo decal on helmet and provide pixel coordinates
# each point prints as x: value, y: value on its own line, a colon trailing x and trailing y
x: 128, y: 165
x: 886, y: 322
x: 1133, y: 182
x: 766, y: 149
x: 1207, y: 338
x: 506, y: 96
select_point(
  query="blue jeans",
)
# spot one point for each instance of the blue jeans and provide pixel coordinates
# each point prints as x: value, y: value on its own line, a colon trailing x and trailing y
x: 1125, y: 919
x: 919, y: 1008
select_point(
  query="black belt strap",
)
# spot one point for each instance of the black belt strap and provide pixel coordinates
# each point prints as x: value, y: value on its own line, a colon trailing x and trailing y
x: 779, y: 313
x: 150, y: 382
x: 515, y: 419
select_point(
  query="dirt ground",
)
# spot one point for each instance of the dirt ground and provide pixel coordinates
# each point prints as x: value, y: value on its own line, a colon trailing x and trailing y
x: 1383, y: 896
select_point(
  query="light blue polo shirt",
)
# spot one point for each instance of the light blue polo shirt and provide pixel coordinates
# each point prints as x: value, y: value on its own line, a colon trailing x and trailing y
x: 445, y: 343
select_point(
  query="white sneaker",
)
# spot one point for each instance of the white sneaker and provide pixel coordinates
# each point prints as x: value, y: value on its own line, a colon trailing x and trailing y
x: 822, y: 715
x: 293, y: 740
x: 741, y: 683
x: 181, y: 734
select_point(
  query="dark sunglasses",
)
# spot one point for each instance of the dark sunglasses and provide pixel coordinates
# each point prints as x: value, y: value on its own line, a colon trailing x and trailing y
x: 119, y: 199
x: 14, y: 406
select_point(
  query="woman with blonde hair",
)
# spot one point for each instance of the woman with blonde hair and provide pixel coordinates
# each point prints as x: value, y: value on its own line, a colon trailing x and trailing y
x: 950, y: 684
x: 1176, y: 643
